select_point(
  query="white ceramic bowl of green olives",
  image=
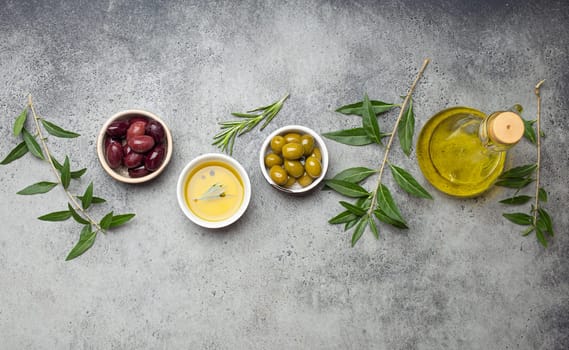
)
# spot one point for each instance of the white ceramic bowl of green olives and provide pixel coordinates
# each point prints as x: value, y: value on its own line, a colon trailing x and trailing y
x: 294, y: 159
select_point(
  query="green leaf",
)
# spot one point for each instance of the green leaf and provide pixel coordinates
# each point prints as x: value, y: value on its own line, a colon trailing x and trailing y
x: 359, y: 230
x: 542, y: 195
x: 85, y: 242
x: 369, y: 121
x: 342, y: 218
x: 351, y: 137
x: 18, y: 152
x: 516, y: 200
x: 373, y: 227
x: 519, y: 218
x: 546, y: 219
x: 32, y: 144
x: 387, y: 204
x: 66, y: 173
x: 121, y: 219
x: 514, y: 182
x: 20, y: 121
x: 94, y: 200
x: 540, y: 237
x: 357, y: 108
x: 381, y: 216
x: 406, y: 129
x: 76, y: 215
x: 351, y: 224
x: 87, y: 197
x: 354, y: 209
x: 57, y: 131
x: 519, y: 172
x: 56, y: 164
x: 527, y: 231
x: 56, y: 216
x: 408, y: 183
x: 106, y: 221
x: 85, y: 231
x: 78, y: 173
x: 529, y: 132
x: 347, y: 188
x: 354, y: 175
x: 37, y: 188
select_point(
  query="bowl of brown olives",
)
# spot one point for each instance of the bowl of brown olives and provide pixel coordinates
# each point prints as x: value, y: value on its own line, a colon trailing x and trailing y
x: 134, y: 146
x: 294, y: 159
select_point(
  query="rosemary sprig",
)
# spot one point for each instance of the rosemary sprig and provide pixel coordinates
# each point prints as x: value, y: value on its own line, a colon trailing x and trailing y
x: 230, y: 130
x: 538, y: 219
x: 78, y: 204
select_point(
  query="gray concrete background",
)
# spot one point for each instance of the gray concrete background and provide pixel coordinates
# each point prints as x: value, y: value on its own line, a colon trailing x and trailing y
x: 281, y: 278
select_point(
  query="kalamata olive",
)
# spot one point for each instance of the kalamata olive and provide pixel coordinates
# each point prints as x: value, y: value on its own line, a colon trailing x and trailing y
x: 278, y: 175
x: 292, y: 151
x: 141, y: 143
x: 155, y: 130
x: 108, y: 140
x: 273, y: 159
x: 154, y: 158
x: 114, y: 154
x: 138, y: 172
x: 305, y: 180
x: 138, y: 118
x: 313, y: 167
x: 136, y: 129
x: 277, y: 144
x: 307, y: 142
x: 126, y: 149
x: 294, y: 168
x: 117, y: 128
x: 292, y: 137
x: 133, y: 159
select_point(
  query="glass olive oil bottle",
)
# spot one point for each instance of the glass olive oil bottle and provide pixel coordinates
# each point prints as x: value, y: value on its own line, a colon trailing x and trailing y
x: 461, y: 151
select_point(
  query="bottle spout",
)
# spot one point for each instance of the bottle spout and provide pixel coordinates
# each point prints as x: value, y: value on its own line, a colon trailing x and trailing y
x: 517, y: 108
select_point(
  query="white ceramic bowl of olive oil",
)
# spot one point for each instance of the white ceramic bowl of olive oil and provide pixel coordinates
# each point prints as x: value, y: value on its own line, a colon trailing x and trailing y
x: 213, y: 190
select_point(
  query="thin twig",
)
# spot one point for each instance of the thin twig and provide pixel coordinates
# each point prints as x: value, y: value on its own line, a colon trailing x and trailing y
x: 394, y: 132
x: 55, y: 171
x: 537, y: 172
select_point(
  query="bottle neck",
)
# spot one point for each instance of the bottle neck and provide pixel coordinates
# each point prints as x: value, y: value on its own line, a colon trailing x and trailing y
x: 501, y: 130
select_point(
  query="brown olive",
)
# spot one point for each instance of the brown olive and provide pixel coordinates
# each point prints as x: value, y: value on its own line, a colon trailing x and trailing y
x: 277, y: 144
x: 313, y: 167
x: 316, y: 153
x: 294, y: 168
x: 278, y: 175
x: 292, y: 151
x: 136, y: 129
x: 307, y: 144
x: 305, y: 180
x: 292, y: 137
x: 114, y: 154
x: 155, y: 158
x: 141, y: 143
x: 290, y: 182
x: 273, y: 159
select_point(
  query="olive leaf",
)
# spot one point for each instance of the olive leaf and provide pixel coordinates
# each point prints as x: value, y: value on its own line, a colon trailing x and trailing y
x: 75, y: 174
x: 546, y: 219
x: 354, y: 175
x: 121, y: 219
x: 347, y: 188
x: 56, y: 216
x: 373, y: 226
x: 87, y: 197
x: 518, y: 172
x: 406, y: 129
x: 351, y: 137
x: 378, y: 107
x: 514, y: 182
x: 381, y: 216
x: 94, y: 199
x: 518, y: 218
x: 18, y: 152
x: 86, y: 241
x: 359, y: 230
x: 76, y: 215
x: 38, y: 188
x: 516, y: 200
x: 106, y: 221
x: 387, y: 204
x: 529, y: 132
x: 342, y: 218
x: 354, y: 209
x: 20, y: 121
x: 58, y: 131
x: 66, y: 173
x: 369, y: 121
x: 32, y: 144
x: 408, y: 183
x: 542, y: 195
x: 540, y: 236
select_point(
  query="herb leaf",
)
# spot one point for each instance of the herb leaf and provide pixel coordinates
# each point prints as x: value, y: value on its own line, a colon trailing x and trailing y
x: 86, y: 241
x: 18, y: 152
x: 342, y: 218
x: 20, y: 121
x: 542, y: 194
x: 357, y: 108
x: 58, y: 131
x: 121, y: 219
x: 94, y: 199
x: 355, y: 175
x: 387, y: 204
x: 540, y: 237
x: 66, y: 173
x: 514, y: 182
x: 347, y: 188
x: 519, y: 218
x: 516, y: 200
x: 381, y: 216
x: 76, y: 215
x: 87, y: 197
x: 359, y: 230
x: 520, y: 171
x: 373, y: 227
x: 106, y: 221
x: 408, y: 183
x: 56, y: 216
x: 369, y: 121
x: 32, y: 144
x: 351, y: 137
x: 354, y: 209
x: 544, y: 216
x: 406, y: 129
x: 529, y: 132
x: 37, y: 188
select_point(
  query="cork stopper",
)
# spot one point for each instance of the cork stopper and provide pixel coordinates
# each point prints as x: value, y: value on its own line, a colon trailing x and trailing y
x: 506, y: 128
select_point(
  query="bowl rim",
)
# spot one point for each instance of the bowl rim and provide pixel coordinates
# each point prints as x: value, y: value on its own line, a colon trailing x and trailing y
x: 101, y: 141
x: 321, y: 145
x: 180, y: 192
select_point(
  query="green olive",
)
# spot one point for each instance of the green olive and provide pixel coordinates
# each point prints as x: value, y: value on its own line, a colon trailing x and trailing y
x: 292, y: 137
x: 305, y: 180
x: 313, y: 167
x: 277, y: 144
x: 278, y: 175
x: 307, y: 142
x: 292, y: 151
x: 294, y: 168
x: 290, y: 182
x: 273, y: 159
x: 316, y: 153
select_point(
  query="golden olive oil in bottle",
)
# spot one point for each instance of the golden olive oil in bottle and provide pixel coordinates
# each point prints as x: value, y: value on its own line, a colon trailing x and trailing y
x: 461, y: 151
